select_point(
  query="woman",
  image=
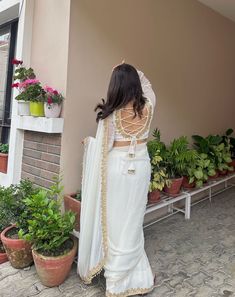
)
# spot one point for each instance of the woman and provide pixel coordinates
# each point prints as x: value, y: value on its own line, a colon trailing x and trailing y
x: 116, y: 176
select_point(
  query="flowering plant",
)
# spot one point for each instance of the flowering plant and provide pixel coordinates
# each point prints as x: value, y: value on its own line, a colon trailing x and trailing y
x: 22, y: 73
x: 29, y: 87
x: 52, y: 96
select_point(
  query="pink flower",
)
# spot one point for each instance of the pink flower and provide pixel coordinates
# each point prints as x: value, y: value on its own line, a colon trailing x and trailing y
x: 16, y: 62
x: 55, y: 92
x: 15, y: 85
x: 31, y: 81
x: 49, y: 100
x: 48, y: 89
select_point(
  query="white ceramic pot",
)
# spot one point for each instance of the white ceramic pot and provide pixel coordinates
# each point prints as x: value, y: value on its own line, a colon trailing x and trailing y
x: 23, y: 108
x: 52, y: 110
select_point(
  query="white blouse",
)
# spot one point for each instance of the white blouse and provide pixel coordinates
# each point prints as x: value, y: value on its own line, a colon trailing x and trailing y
x: 121, y: 126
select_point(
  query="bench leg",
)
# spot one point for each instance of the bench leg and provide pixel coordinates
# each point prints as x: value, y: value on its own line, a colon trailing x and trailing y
x: 187, y: 207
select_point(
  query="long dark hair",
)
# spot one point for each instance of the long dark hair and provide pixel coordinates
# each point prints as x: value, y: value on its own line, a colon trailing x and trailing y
x: 124, y: 87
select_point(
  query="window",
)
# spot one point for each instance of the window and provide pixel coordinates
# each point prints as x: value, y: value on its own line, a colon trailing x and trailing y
x: 7, y: 51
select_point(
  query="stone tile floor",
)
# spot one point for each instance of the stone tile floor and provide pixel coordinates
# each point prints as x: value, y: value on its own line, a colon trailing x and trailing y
x: 193, y: 258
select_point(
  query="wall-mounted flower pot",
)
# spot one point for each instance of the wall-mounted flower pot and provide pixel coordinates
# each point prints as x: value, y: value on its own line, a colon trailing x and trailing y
x: 52, y: 110
x: 154, y: 197
x: 3, y: 162
x: 23, y: 108
x: 186, y: 183
x: 53, y: 271
x: 174, y: 188
x: 36, y: 109
x: 71, y: 203
x: 3, y: 254
x: 18, y: 251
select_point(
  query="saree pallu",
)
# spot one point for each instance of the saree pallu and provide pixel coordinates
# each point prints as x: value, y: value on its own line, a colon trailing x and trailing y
x: 112, y: 212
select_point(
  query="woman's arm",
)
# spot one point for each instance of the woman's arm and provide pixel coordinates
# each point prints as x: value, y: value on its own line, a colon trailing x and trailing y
x: 147, y: 88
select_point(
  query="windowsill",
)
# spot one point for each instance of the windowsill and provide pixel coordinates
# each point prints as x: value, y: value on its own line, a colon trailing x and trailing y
x: 40, y: 124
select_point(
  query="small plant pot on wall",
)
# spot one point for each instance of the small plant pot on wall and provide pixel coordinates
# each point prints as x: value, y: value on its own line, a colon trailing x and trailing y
x: 53, y: 271
x: 18, y: 250
x: 72, y: 203
x: 3, y: 162
x: 3, y: 254
x: 23, y: 108
x: 174, y: 188
x: 52, y: 110
x: 36, y: 109
x: 154, y: 197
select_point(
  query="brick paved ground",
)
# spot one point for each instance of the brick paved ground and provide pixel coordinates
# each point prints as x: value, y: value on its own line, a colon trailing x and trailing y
x: 193, y: 258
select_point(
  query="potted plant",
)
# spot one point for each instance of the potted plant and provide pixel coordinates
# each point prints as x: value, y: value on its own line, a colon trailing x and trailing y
x: 22, y: 74
x: 18, y: 250
x: 4, y: 148
x: 53, y: 102
x: 217, y: 151
x: 202, y: 169
x: 73, y: 202
x: 178, y: 156
x: 159, y: 177
x: 50, y: 233
x: 6, y: 217
x: 230, y: 141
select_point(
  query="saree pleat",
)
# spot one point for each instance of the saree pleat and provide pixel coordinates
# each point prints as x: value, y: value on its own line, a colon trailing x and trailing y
x: 127, y: 270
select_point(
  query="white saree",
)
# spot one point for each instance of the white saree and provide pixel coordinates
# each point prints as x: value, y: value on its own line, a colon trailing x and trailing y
x: 114, y: 198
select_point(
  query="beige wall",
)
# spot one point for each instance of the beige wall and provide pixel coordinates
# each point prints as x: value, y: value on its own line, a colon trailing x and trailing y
x: 49, y: 53
x: 185, y: 49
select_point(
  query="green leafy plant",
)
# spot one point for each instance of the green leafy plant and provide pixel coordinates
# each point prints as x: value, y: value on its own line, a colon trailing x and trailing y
x: 78, y: 195
x: 11, y: 204
x: 31, y: 90
x: 157, y: 150
x: 7, y: 207
x: 201, y: 170
x: 179, y: 157
x: 159, y: 177
x: 4, y: 148
x: 229, y: 141
x: 48, y: 229
x: 216, y: 148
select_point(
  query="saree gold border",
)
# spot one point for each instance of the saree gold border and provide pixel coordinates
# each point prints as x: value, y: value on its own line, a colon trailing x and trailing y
x: 98, y: 268
x: 142, y: 131
x: 130, y: 292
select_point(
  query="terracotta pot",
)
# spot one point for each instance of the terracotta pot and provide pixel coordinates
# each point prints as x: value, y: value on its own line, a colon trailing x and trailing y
x: 186, y: 183
x: 3, y: 162
x: 214, y: 176
x: 53, y: 271
x: 70, y: 203
x: 52, y: 110
x: 3, y: 256
x: 154, y: 196
x: 175, y: 186
x: 18, y: 250
x: 233, y: 165
x: 223, y: 172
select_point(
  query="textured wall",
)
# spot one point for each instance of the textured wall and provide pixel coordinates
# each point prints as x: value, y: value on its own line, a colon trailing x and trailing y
x: 41, y: 157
